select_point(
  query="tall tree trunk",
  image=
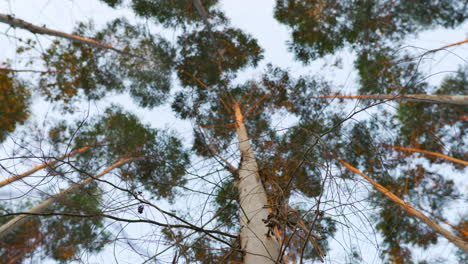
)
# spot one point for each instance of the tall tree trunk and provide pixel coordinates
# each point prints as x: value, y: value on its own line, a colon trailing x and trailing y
x: 458, y: 241
x: 257, y: 245
x: 17, y: 221
x: 422, y: 98
x: 43, y: 165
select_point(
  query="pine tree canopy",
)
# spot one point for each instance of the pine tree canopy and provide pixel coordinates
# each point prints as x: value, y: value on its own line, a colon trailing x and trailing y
x: 167, y: 131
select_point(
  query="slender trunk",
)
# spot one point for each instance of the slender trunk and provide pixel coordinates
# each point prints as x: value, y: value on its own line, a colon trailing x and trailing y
x: 258, y: 247
x: 422, y: 98
x: 458, y: 241
x: 39, y: 167
x: 17, y: 221
x: 430, y: 153
x: 19, y: 23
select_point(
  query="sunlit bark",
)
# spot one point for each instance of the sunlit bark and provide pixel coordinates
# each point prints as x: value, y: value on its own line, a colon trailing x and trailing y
x: 448, y: 46
x: 42, y: 166
x: 430, y: 153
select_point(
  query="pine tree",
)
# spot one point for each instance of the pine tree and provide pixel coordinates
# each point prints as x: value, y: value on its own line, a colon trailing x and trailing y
x: 256, y: 218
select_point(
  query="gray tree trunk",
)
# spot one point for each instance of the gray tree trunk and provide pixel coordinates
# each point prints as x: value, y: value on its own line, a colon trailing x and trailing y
x: 258, y: 247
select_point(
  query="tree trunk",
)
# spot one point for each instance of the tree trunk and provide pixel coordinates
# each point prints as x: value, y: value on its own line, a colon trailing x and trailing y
x: 458, y: 241
x: 422, y: 98
x: 17, y: 221
x: 39, y: 167
x: 257, y: 245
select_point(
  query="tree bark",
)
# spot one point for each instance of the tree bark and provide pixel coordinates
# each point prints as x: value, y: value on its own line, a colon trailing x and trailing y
x: 422, y: 98
x: 19, y: 23
x: 258, y: 247
x: 458, y: 241
x: 39, y: 167
x: 17, y: 221
x: 430, y: 153
x: 446, y: 46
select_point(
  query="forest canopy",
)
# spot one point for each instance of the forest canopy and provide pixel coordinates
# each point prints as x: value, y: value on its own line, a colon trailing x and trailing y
x: 170, y: 132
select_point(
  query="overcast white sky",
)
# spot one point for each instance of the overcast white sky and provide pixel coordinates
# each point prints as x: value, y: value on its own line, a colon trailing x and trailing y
x: 256, y: 18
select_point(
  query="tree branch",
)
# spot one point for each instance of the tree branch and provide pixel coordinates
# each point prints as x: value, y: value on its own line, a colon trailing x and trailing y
x: 26, y: 70
x: 19, y: 23
x: 11, y: 225
x: 458, y: 241
x: 97, y: 214
x: 429, y: 153
x: 446, y: 46
x: 43, y: 165
x: 422, y: 98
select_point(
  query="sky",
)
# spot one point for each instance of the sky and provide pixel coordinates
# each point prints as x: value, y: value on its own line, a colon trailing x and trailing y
x: 256, y: 18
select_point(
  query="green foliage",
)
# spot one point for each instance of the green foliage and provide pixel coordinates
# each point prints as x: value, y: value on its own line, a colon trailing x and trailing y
x: 204, y: 61
x: 361, y: 150
x: 167, y: 12
x: 23, y: 242
x: 324, y: 226
x: 59, y: 236
x: 455, y: 84
x: 382, y: 71
x: 424, y: 125
x: 226, y: 203
x: 14, y: 104
x: 117, y: 135
x: 200, y: 250
x: 69, y: 235
x: 321, y: 27
x: 437, y: 191
x: 207, y: 56
x: 112, y: 3
x: 144, y: 72
x: 315, y: 26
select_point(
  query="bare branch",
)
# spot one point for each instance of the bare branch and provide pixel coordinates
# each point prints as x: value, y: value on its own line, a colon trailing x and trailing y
x: 120, y: 219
